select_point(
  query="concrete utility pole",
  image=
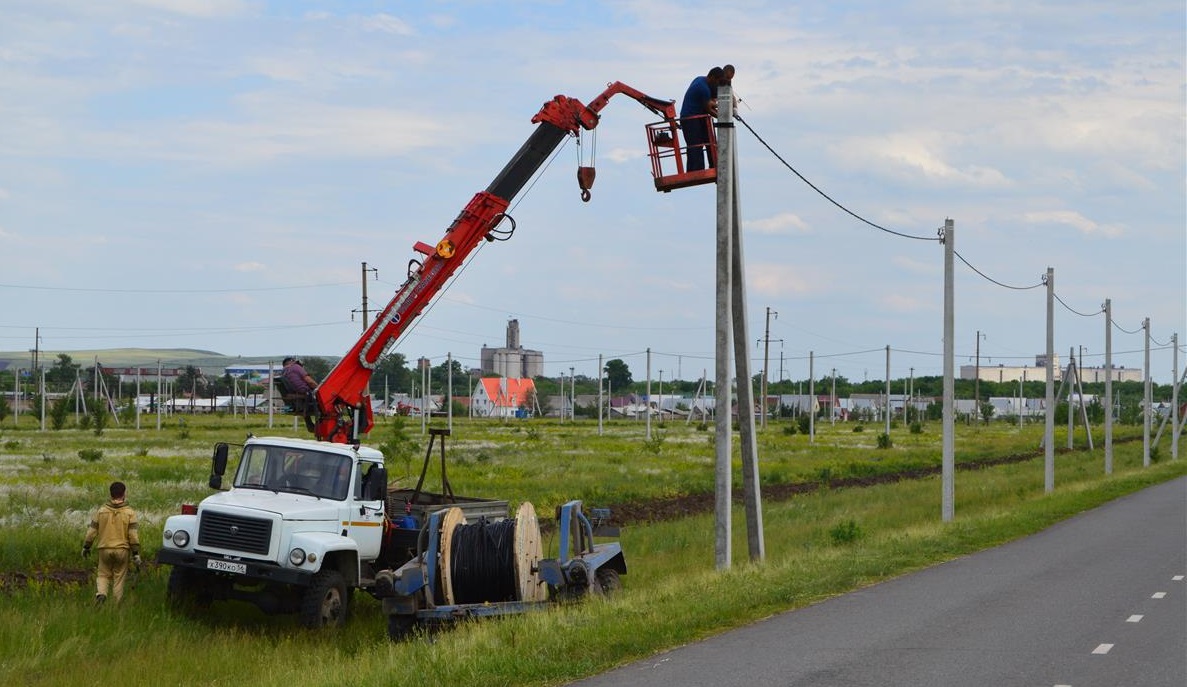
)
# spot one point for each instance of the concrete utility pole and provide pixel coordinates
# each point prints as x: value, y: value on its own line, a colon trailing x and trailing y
x: 1148, y: 400
x: 1175, y: 398
x: 832, y: 400
x: 365, y: 270
x: 647, y: 406
x: 812, y: 397
x: 601, y: 375
x: 766, y: 362
x: 731, y: 291
x: 948, y: 450
x: 977, y: 380
x: 889, y: 411
x: 572, y: 395
x: 723, y: 473
x: 1108, y: 386
x: 1049, y: 433
x: 448, y: 389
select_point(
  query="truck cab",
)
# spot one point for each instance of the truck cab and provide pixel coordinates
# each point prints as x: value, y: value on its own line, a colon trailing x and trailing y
x: 303, y: 522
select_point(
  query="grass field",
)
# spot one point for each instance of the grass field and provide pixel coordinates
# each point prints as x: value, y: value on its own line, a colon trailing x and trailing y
x: 818, y: 544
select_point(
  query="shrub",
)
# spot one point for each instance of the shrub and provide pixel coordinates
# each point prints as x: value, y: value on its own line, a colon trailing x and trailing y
x: 859, y: 428
x: 805, y: 423
x: 655, y: 444
x: 789, y: 429
x: 59, y: 413
x: 845, y: 532
x: 916, y: 427
x: 884, y: 440
x: 91, y: 455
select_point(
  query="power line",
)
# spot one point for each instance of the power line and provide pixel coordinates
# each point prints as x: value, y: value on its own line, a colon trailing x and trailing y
x: 149, y: 292
x: 1070, y: 309
x: 825, y: 195
x: 1114, y: 323
x: 991, y: 279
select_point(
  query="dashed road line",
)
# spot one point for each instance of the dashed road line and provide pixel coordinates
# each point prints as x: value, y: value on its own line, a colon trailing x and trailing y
x: 1134, y: 619
x: 1177, y: 578
x: 1158, y: 595
x: 1103, y: 649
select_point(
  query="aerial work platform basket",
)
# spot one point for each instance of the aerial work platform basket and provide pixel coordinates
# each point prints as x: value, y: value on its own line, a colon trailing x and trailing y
x: 669, y: 157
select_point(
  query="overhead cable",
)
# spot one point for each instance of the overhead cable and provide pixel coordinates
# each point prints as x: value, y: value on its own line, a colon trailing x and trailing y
x: 1077, y: 312
x: 825, y: 195
x: 991, y: 279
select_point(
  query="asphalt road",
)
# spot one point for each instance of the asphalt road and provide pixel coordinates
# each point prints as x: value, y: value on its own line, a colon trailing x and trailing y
x: 1096, y: 601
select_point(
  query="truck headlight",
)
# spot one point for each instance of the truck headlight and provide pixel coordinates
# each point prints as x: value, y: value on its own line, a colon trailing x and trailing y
x: 181, y: 539
x: 297, y: 556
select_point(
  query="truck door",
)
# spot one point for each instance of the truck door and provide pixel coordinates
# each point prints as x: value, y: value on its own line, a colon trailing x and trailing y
x: 363, y: 520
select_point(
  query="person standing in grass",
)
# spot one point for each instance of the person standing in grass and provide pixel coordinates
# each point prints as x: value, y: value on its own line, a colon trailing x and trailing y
x: 114, y: 530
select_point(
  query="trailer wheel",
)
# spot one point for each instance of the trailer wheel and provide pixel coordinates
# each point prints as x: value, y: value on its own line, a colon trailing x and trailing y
x: 400, y: 626
x: 608, y: 581
x: 326, y: 601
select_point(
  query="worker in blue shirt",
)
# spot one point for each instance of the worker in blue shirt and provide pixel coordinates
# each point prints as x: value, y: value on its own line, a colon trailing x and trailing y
x: 700, y: 103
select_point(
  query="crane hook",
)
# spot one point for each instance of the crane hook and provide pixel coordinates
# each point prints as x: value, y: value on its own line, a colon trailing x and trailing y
x: 585, y: 179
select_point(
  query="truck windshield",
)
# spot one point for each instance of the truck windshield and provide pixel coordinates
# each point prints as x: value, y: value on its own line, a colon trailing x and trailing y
x: 295, y: 470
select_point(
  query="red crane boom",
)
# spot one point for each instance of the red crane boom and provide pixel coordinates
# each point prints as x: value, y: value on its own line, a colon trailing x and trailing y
x: 341, y: 408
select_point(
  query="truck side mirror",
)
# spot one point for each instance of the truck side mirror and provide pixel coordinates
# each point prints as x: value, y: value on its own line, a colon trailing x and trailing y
x: 218, y: 465
x: 376, y: 484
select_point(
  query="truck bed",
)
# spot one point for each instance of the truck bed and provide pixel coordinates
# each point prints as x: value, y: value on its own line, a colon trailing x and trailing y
x: 401, y: 501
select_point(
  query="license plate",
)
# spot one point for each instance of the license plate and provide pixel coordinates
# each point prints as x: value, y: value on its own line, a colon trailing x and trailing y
x: 227, y: 566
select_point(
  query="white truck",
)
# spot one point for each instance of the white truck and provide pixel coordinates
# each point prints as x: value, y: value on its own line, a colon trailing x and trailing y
x: 303, y: 523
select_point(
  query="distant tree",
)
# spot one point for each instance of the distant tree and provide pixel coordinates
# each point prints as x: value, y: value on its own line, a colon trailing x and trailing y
x: 63, y: 373
x: 318, y: 368
x: 986, y: 412
x: 441, y: 376
x: 391, y: 373
x: 618, y: 375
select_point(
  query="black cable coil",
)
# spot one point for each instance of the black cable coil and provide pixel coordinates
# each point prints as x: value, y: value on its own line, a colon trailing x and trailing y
x: 482, y: 565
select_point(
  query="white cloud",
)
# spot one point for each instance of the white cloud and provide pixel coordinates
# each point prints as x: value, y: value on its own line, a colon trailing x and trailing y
x: 197, y: 8
x: 783, y: 280
x: 251, y: 266
x: 782, y: 224
x: 386, y: 23
x: 1075, y: 220
x: 917, y: 156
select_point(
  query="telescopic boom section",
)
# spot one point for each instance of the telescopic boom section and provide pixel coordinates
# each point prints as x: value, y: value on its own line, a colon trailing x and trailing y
x: 343, y: 406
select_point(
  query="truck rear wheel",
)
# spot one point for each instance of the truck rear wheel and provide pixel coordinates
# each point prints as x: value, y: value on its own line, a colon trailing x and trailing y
x: 325, y: 602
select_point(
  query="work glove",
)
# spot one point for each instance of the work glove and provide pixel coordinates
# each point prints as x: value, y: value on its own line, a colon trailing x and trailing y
x: 86, y: 551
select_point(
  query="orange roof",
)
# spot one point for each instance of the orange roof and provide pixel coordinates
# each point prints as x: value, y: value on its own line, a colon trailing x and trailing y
x: 516, y: 394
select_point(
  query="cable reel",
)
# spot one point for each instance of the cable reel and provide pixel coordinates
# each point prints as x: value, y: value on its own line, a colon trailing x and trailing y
x: 490, y: 561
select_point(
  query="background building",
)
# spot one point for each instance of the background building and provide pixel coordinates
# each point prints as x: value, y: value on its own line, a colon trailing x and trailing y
x: 513, y: 360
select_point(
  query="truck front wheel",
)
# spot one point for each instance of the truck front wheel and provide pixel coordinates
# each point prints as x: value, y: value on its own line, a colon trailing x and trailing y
x: 187, y: 590
x: 325, y: 602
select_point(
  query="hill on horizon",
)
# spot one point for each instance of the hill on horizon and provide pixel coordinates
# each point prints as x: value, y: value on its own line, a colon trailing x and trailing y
x: 138, y: 357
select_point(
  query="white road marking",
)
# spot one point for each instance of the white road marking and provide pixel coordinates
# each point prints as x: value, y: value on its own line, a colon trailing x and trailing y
x: 1177, y: 578
x: 1102, y: 649
x: 1159, y: 595
x: 1135, y: 619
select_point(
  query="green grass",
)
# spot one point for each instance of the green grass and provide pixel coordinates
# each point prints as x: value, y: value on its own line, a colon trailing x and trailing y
x: 818, y: 545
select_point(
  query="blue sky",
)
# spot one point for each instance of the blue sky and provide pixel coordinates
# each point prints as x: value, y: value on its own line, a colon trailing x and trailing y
x: 211, y: 174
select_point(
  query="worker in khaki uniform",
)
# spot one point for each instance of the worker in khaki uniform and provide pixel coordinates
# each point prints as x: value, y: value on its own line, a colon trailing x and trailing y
x: 114, y: 531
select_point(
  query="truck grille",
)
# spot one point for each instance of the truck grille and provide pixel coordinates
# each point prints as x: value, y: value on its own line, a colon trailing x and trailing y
x: 249, y: 535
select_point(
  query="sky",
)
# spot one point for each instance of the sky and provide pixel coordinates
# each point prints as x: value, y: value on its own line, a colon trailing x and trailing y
x: 212, y: 174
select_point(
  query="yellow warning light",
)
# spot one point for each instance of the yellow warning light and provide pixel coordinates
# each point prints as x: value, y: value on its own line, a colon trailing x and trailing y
x: 445, y: 249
